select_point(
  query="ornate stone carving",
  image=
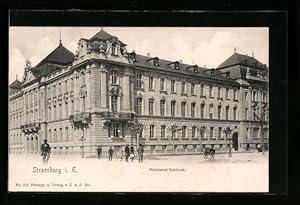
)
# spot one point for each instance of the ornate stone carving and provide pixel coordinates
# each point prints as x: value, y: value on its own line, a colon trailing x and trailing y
x: 102, y: 47
x: 115, y: 90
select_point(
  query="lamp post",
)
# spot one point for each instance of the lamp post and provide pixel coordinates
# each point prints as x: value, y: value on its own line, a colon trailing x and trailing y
x: 82, y: 122
x: 262, y: 121
x: 174, y: 128
x: 227, y: 132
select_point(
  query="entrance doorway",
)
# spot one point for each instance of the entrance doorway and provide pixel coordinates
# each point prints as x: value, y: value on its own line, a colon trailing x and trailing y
x: 235, y: 141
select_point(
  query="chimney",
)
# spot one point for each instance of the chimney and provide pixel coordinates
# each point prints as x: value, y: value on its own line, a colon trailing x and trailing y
x: 234, y: 50
x: 180, y: 61
x: 148, y: 54
x: 252, y: 54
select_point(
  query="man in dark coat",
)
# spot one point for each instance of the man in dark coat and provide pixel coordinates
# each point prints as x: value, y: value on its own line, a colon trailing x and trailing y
x: 110, y: 154
x: 132, y: 152
x: 127, y: 152
x: 99, y: 151
x: 141, y: 152
x: 45, y: 149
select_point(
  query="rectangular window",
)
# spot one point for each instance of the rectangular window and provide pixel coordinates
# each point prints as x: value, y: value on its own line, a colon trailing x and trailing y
x: 139, y: 81
x: 211, y: 132
x: 219, y: 92
x: 151, y: 87
x: 234, y: 113
x: 172, y: 86
x: 114, y: 103
x: 254, y: 114
x: 193, y: 89
x: 227, y: 93
x: 246, y: 94
x: 139, y: 106
x: 60, y: 134
x: 202, y: 90
x: 67, y: 133
x: 193, y: 107
x: 220, y: 133
x: 162, y: 108
x: 219, y: 112
x: 234, y: 94
x: 173, y: 108
x: 162, y: 84
x: 55, y: 136
x: 227, y: 113
x: 210, y: 91
x: 151, y: 102
x: 116, y: 130
x: 151, y: 131
x: 163, y: 131
x: 194, y: 132
x: 211, y: 111
x: 246, y: 113
x: 183, y: 87
x: 114, y: 77
x: 202, y: 107
x: 183, y: 131
x: 183, y: 109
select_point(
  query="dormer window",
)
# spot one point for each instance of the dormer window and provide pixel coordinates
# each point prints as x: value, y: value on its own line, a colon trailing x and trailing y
x: 195, y: 69
x: 114, y: 50
x: 156, y: 61
x: 212, y: 72
x: 176, y: 66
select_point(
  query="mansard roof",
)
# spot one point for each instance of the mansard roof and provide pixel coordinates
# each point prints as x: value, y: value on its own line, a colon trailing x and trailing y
x: 239, y: 59
x: 101, y: 35
x: 104, y: 36
x: 58, y: 58
x: 165, y: 65
x: 16, y: 84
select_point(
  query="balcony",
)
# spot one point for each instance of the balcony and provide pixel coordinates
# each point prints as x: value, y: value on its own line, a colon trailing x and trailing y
x: 80, y: 117
x: 32, y: 127
x: 120, y: 116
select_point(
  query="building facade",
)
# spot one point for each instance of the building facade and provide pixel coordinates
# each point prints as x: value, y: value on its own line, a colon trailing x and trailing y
x: 104, y: 95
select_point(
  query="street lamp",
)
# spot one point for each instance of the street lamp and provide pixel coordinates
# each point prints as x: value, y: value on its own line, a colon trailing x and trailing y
x: 261, y: 120
x: 82, y: 147
x: 82, y: 121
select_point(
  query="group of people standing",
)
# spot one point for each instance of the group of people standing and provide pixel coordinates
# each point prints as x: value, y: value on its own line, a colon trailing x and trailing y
x: 129, y: 153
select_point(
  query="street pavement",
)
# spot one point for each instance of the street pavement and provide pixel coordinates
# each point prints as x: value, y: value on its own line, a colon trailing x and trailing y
x: 243, y: 172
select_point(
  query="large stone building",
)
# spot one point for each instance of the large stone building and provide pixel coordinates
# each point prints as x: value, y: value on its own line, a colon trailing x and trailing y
x: 104, y: 95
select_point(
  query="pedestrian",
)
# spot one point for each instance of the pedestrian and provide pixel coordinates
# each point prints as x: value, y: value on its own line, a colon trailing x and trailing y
x: 132, y: 152
x: 110, y: 154
x: 127, y: 152
x: 141, y: 152
x: 99, y: 151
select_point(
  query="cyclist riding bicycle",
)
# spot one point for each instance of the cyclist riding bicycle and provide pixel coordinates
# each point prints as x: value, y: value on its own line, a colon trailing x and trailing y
x: 45, y: 149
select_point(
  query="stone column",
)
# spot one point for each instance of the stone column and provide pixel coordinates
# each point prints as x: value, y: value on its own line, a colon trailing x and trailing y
x: 88, y: 89
x: 126, y: 91
x: 76, y: 94
x: 103, y: 87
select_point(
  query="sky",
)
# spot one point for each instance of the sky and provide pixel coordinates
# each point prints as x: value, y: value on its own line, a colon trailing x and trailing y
x: 204, y: 46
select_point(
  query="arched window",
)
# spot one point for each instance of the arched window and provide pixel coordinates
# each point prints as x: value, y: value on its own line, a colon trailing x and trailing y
x: 227, y: 113
x: 162, y: 107
x: 219, y: 111
x: 139, y: 106
x: 173, y: 108
x: 211, y: 111
x: 202, y: 109
x: 151, y: 106
x: 193, y: 107
x: 183, y: 105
